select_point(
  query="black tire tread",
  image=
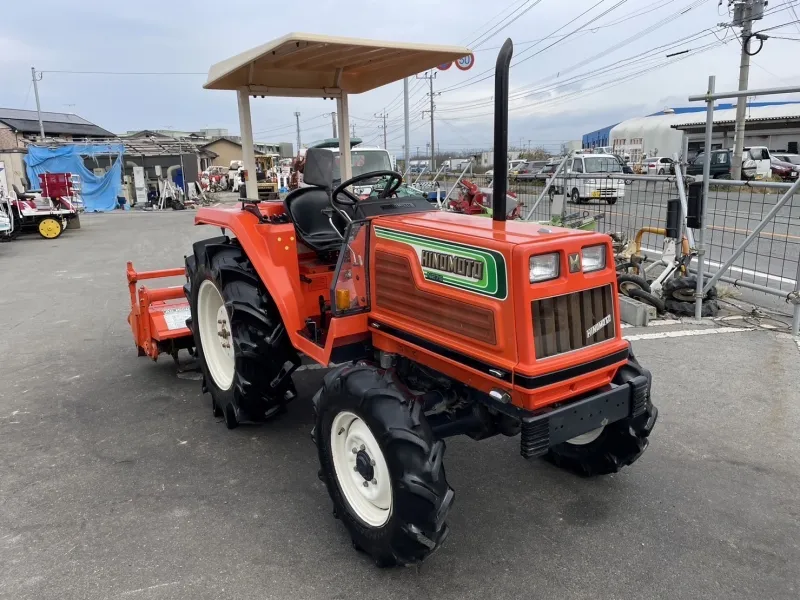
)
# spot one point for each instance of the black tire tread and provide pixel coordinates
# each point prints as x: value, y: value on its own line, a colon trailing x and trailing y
x: 631, y: 278
x: 648, y: 298
x: 254, y: 319
x: 709, y: 308
x: 421, y: 496
x: 618, y: 446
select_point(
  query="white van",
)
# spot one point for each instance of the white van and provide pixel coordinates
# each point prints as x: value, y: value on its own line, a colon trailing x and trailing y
x: 761, y: 157
x: 585, y: 189
x: 364, y: 159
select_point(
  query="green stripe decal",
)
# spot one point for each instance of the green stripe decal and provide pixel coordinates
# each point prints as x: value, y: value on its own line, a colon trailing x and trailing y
x: 493, y: 281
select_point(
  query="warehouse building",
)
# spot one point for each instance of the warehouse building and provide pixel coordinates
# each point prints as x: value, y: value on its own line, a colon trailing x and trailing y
x: 772, y: 124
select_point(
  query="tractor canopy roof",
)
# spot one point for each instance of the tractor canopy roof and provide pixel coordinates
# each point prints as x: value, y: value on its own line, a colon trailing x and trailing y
x: 319, y: 66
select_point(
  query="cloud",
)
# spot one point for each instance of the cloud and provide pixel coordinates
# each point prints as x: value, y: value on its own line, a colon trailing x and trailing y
x: 157, y: 35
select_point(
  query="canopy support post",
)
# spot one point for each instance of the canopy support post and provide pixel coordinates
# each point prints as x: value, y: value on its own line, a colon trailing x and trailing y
x: 246, y: 131
x: 343, y: 114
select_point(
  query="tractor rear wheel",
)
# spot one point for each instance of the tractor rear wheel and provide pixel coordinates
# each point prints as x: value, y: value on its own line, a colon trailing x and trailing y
x: 381, y: 465
x: 244, y: 352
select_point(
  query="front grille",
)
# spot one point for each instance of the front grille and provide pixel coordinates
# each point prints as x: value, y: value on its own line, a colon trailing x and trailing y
x: 570, y: 322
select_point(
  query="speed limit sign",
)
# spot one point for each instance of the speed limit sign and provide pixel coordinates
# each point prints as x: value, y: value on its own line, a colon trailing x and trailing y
x: 465, y: 62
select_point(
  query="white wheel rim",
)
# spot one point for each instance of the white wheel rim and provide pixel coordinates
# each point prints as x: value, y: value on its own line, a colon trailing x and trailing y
x: 352, y: 443
x: 215, y: 334
x: 586, y: 438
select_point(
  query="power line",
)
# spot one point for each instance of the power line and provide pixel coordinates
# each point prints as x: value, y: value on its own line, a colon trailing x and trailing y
x: 27, y: 95
x: 418, y: 86
x: 472, y: 33
x: 776, y: 26
x: 636, y: 13
x: 624, y: 78
x: 638, y: 35
x: 532, y: 87
x: 479, y: 76
x: 794, y: 12
x: 494, y: 30
x: 292, y: 125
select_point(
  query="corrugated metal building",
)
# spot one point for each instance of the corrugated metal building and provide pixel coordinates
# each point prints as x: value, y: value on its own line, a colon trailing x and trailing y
x: 771, y: 124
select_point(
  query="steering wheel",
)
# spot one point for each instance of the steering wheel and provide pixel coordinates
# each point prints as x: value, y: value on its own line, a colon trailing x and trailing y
x: 349, y: 199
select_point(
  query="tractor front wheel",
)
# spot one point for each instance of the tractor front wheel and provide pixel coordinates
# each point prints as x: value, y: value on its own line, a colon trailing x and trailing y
x: 607, y: 449
x: 244, y: 352
x: 381, y: 465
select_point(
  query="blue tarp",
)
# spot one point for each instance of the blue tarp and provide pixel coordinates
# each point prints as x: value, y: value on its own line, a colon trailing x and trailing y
x: 98, y: 193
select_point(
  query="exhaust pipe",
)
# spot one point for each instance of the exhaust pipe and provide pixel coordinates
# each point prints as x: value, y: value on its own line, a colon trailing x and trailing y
x: 500, y: 183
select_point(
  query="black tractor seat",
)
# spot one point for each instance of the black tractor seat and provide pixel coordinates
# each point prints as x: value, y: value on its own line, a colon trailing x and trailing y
x: 311, y: 211
x: 318, y: 224
x: 26, y: 195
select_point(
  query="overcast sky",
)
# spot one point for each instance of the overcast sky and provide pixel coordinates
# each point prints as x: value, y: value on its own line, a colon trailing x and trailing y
x: 559, y: 93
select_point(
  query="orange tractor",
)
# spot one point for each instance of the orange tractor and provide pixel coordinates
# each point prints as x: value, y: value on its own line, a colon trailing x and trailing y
x: 434, y: 324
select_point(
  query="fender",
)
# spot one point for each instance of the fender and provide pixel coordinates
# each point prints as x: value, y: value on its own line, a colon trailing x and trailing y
x: 272, y: 249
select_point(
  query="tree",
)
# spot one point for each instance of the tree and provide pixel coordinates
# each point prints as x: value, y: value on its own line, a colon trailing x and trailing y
x: 538, y: 153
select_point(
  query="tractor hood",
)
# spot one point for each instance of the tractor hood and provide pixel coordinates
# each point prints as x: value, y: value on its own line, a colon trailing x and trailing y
x: 475, y: 229
x: 463, y: 284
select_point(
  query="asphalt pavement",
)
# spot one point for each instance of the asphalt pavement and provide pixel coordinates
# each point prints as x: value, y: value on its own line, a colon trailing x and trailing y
x: 117, y: 482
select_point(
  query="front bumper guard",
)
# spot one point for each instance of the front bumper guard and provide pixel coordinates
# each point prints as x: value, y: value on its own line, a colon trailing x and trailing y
x: 626, y: 399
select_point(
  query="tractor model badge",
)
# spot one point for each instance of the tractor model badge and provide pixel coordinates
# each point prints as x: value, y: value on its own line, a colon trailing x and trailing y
x: 574, y: 263
x: 470, y: 268
x: 448, y: 263
x: 598, y: 326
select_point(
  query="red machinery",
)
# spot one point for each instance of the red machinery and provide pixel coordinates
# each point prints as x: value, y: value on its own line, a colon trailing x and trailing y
x: 474, y: 201
x: 158, y: 316
x: 47, y: 212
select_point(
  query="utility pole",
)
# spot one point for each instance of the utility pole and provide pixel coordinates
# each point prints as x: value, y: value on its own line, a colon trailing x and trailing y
x: 406, y: 128
x: 297, y: 118
x: 37, y: 78
x: 383, y: 116
x: 352, y: 130
x: 430, y: 76
x: 333, y: 124
x: 744, y: 13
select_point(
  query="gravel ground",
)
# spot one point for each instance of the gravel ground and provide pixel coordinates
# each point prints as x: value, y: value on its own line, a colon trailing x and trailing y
x: 117, y: 482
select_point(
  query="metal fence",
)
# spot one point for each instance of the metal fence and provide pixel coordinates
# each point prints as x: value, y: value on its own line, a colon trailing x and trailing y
x: 764, y: 249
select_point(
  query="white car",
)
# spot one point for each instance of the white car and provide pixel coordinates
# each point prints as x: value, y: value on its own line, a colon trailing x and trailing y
x: 583, y: 189
x: 659, y: 165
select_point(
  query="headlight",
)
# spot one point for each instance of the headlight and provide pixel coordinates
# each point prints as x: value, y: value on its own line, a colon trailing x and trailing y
x: 544, y: 267
x: 594, y: 258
